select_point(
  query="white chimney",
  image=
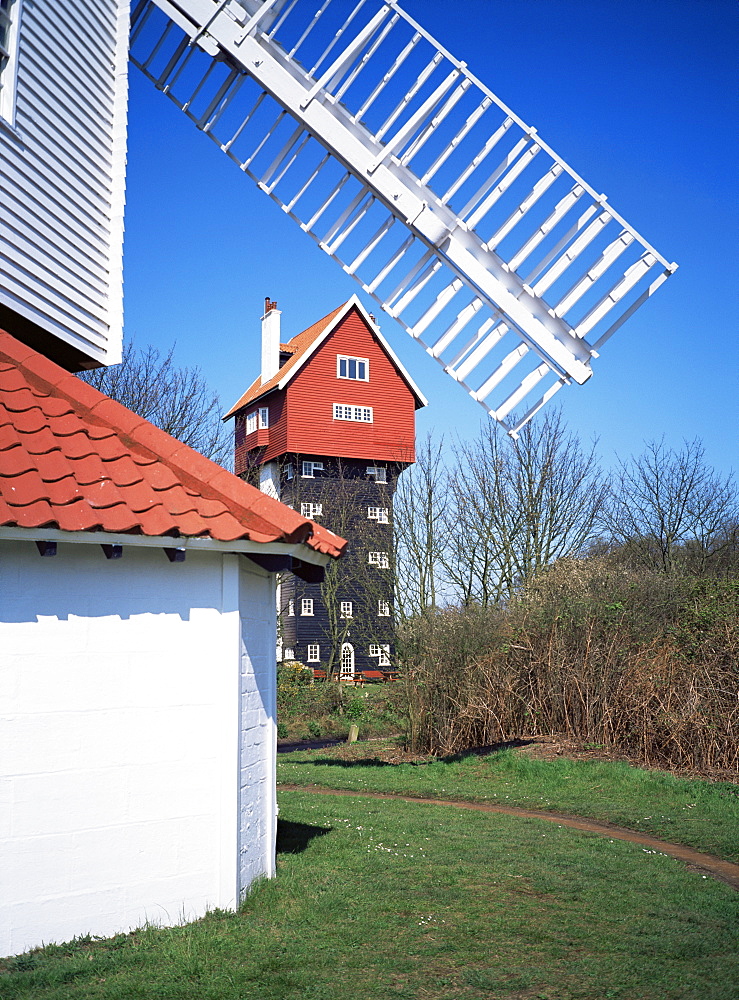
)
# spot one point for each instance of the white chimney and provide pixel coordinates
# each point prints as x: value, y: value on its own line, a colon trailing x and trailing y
x: 270, y: 340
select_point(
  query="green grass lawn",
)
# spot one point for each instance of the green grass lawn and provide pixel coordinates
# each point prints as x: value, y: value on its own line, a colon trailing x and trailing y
x: 388, y: 900
x: 699, y: 814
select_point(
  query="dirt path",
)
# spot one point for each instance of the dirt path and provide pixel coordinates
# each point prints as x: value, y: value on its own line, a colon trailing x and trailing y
x: 724, y: 871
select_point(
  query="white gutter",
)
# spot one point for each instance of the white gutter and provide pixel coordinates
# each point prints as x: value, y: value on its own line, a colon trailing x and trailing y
x: 189, y: 544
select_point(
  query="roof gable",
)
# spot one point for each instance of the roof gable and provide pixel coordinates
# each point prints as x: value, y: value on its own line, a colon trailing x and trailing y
x: 72, y: 458
x: 304, y: 345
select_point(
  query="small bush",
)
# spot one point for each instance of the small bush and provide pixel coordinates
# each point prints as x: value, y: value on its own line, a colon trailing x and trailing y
x: 355, y: 708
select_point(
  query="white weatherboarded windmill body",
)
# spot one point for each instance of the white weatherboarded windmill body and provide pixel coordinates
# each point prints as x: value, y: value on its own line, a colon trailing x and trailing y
x: 449, y: 210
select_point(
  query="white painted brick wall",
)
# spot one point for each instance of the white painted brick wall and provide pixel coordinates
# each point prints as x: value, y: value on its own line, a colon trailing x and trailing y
x: 258, y: 805
x: 120, y: 707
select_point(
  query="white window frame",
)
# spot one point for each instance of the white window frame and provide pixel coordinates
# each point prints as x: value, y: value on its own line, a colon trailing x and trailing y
x: 291, y: 608
x: 358, y: 414
x: 383, y: 609
x: 10, y: 14
x: 314, y: 652
x: 289, y: 471
x: 381, y: 559
x: 346, y: 609
x: 379, y: 514
x: 311, y: 510
x: 263, y: 418
x: 251, y: 422
x: 378, y: 473
x: 306, y: 607
x: 288, y: 653
x: 309, y: 469
x: 345, y: 361
x: 382, y: 651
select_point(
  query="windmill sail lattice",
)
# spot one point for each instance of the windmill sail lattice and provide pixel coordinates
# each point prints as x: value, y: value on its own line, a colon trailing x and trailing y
x: 448, y: 209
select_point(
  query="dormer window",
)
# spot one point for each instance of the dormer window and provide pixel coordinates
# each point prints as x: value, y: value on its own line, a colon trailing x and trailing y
x: 352, y: 368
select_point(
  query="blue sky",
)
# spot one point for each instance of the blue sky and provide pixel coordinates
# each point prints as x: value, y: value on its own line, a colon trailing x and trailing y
x: 639, y: 97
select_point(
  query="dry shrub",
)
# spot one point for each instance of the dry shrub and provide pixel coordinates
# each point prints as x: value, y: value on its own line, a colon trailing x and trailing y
x: 634, y: 661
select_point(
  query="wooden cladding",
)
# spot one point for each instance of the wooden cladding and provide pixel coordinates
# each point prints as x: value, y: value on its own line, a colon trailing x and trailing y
x: 321, y: 412
x: 63, y: 165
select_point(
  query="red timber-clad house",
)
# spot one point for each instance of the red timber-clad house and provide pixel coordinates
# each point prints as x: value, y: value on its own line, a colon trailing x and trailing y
x: 328, y: 427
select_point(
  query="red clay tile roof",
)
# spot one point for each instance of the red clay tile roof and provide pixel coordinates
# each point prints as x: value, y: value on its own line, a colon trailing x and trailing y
x: 74, y: 459
x: 298, y: 346
x: 302, y: 345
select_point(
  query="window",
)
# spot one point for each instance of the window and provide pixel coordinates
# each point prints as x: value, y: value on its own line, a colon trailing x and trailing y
x: 314, y: 653
x: 311, y: 509
x: 9, y: 16
x: 354, y: 368
x: 379, y: 514
x: 361, y: 413
x: 378, y: 473
x: 383, y: 609
x: 310, y: 469
x: 347, y: 609
x: 381, y: 650
x: 380, y: 559
x: 306, y: 606
x: 289, y: 470
x: 258, y: 419
x: 289, y: 653
x: 291, y: 607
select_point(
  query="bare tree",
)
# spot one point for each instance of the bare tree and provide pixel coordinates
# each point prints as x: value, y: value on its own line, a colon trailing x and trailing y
x: 419, y: 519
x: 176, y: 399
x: 474, y: 533
x: 352, y: 578
x: 670, y: 511
x: 518, y: 506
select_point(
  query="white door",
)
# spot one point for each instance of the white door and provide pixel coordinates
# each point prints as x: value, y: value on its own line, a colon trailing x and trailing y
x: 347, y: 660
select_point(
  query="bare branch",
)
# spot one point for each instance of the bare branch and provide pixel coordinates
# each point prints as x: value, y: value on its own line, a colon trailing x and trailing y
x: 176, y: 399
x: 669, y: 510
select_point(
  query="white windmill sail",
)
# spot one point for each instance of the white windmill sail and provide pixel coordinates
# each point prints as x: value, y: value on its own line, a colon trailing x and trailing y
x: 462, y: 223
